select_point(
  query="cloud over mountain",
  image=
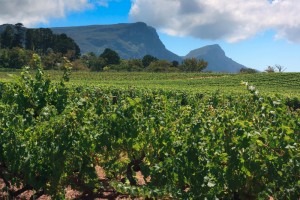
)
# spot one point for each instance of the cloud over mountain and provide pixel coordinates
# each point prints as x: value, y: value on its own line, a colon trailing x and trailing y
x: 32, y: 12
x: 233, y: 20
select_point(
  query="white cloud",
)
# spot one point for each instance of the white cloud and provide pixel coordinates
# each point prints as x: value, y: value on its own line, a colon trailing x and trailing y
x: 105, y: 3
x: 233, y: 20
x: 32, y: 12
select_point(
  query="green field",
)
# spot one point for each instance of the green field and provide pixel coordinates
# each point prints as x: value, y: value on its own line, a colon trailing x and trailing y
x: 286, y: 84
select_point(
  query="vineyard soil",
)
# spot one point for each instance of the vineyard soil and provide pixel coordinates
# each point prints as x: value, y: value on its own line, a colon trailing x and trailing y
x: 69, y: 192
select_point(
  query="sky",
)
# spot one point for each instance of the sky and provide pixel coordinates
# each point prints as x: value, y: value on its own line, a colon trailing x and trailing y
x: 255, y: 33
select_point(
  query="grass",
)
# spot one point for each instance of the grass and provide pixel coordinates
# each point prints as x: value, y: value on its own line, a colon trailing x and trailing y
x: 287, y: 84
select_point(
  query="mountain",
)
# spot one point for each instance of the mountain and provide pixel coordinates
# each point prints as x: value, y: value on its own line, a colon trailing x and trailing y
x: 216, y: 58
x: 133, y: 40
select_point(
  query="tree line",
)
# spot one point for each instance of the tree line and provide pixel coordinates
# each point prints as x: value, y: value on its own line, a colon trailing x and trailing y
x: 109, y: 60
x: 18, y: 44
x: 41, y: 40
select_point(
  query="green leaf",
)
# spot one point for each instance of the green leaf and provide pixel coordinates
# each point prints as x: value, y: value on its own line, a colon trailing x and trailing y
x: 259, y: 143
x: 211, y: 184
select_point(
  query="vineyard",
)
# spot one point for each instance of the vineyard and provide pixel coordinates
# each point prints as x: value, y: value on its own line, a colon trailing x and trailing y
x: 286, y: 84
x: 196, y: 143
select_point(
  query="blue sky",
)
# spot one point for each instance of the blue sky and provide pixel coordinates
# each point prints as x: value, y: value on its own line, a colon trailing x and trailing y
x: 255, y: 33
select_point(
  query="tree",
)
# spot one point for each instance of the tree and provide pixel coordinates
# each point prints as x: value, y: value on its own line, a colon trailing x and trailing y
x: 7, y: 38
x: 67, y: 46
x: 246, y: 70
x: 29, y: 39
x: 52, y: 60
x: 161, y: 66
x: 12, y: 36
x: 270, y: 69
x: 128, y: 65
x: 148, y: 59
x: 135, y: 65
x: 79, y: 64
x: 280, y: 68
x: 18, y: 57
x: 98, y: 64
x: 93, y: 62
x: 4, y: 58
x: 111, y: 57
x: 175, y: 63
x: 193, y: 65
x: 40, y: 40
x: 89, y: 59
x: 18, y: 36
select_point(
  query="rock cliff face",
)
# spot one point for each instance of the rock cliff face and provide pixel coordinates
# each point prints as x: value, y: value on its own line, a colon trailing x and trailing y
x: 128, y: 40
x: 216, y: 58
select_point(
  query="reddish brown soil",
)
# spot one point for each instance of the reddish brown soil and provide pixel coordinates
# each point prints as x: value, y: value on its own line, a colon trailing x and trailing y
x: 70, y: 193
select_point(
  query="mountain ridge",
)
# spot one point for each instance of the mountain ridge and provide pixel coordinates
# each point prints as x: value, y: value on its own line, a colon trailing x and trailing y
x: 129, y: 40
x: 216, y: 58
x: 135, y: 40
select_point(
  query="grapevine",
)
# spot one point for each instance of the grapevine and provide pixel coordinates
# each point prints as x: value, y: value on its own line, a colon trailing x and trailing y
x: 186, y: 146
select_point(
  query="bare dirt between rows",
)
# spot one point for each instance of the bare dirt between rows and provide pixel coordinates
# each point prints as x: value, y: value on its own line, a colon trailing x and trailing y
x: 69, y: 192
x: 76, y: 195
